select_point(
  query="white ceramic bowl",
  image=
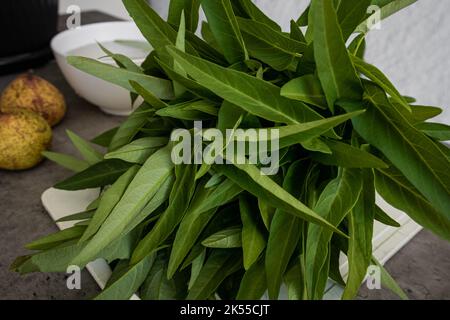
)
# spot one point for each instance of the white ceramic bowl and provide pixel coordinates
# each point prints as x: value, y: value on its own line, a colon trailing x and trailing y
x: 108, y: 97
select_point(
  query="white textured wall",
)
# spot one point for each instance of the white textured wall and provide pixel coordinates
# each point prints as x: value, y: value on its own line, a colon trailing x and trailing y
x: 412, y: 48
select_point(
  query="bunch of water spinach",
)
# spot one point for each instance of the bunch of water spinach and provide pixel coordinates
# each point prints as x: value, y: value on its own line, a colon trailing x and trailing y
x: 204, y: 231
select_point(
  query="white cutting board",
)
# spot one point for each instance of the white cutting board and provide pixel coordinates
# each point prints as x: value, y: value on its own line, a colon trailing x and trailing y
x: 386, y: 242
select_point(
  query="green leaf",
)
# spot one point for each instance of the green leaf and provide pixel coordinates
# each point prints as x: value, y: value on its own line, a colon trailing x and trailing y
x: 91, y: 155
x: 414, y: 154
x: 59, y: 258
x: 158, y: 32
x: 105, y: 138
x: 251, y: 94
x: 380, y: 79
x: 249, y: 10
x: 84, y: 215
x: 108, y: 201
x: 358, y: 46
x: 205, y: 50
x: 66, y: 161
x: 398, y: 192
x: 306, y: 89
x: 284, y: 235
x: 253, y: 240
x: 303, y: 19
x: 350, y: 14
x: 99, y: 175
x: 149, y: 179
x: 334, y: 67
x: 295, y: 282
x: 227, y: 238
x: 190, y: 8
x: 360, y: 226
x: 423, y: 113
x: 253, y: 284
x: 250, y: 178
x: 438, y: 131
x: 269, y: 45
x: 179, y: 199
x: 384, y: 218
x: 388, y: 282
x: 296, y: 33
x: 148, y: 96
x: 197, y: 265
x: 138, y: 150
x: 267, y: 212
x: 188, y: 83
x: 208, y: 36
x: 122, y: 61
x: 129, y: 281
x: 335, y: 202
x: 130, y: 127
x: 192, y: 110
x: 219, y: 265
x: 56, y: 239
x: 387, y: 8
x: 160, y: 87
x: 200, y: 211
x: 347, y: 156
x: 158, y: 287
x: 225, y: 29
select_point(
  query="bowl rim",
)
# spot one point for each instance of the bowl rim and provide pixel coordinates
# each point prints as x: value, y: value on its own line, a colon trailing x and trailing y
x: 70, y: 32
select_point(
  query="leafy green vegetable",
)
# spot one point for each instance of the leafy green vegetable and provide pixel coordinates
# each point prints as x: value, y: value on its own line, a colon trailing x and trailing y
x: 332, y: 126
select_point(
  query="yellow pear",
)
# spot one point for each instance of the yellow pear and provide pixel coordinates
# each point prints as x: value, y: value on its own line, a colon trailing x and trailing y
x: 33, y: 93
x: 24, y: 135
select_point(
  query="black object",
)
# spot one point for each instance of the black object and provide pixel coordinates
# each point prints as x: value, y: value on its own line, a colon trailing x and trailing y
x: 26, y: 28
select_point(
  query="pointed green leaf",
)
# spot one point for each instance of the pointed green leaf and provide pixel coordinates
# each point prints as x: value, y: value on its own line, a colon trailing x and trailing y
x: 227, y: 238
x: 284, y: 235
x: 335, y: 202
x: 250, y: 178
x: 99, y: 175
x: 334, y: 67
x: 140, y: 191
x: 399, y: 193
x: 191, y: 10
x: 179, y: 199
x: 256, y: 96
x: 413, y: 153
x: 56, y: 239
x: 161, y: 88
x: 360, y: 226
x: 374, y: 74
x: 129, y: 281
x: 306, y: 89
x: 201, y: 210
x: 66, y: 161
x: 438, y: 131
x: 347, y: 156
x: 253, y: 240
x: 269, y: 45
x: 253, y: 283
x: 219, y: 265
x: 91, y: 155
x: 108, y: 201
x: 387, y: 8
x: 225, y: 29
x: 139, y: 150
